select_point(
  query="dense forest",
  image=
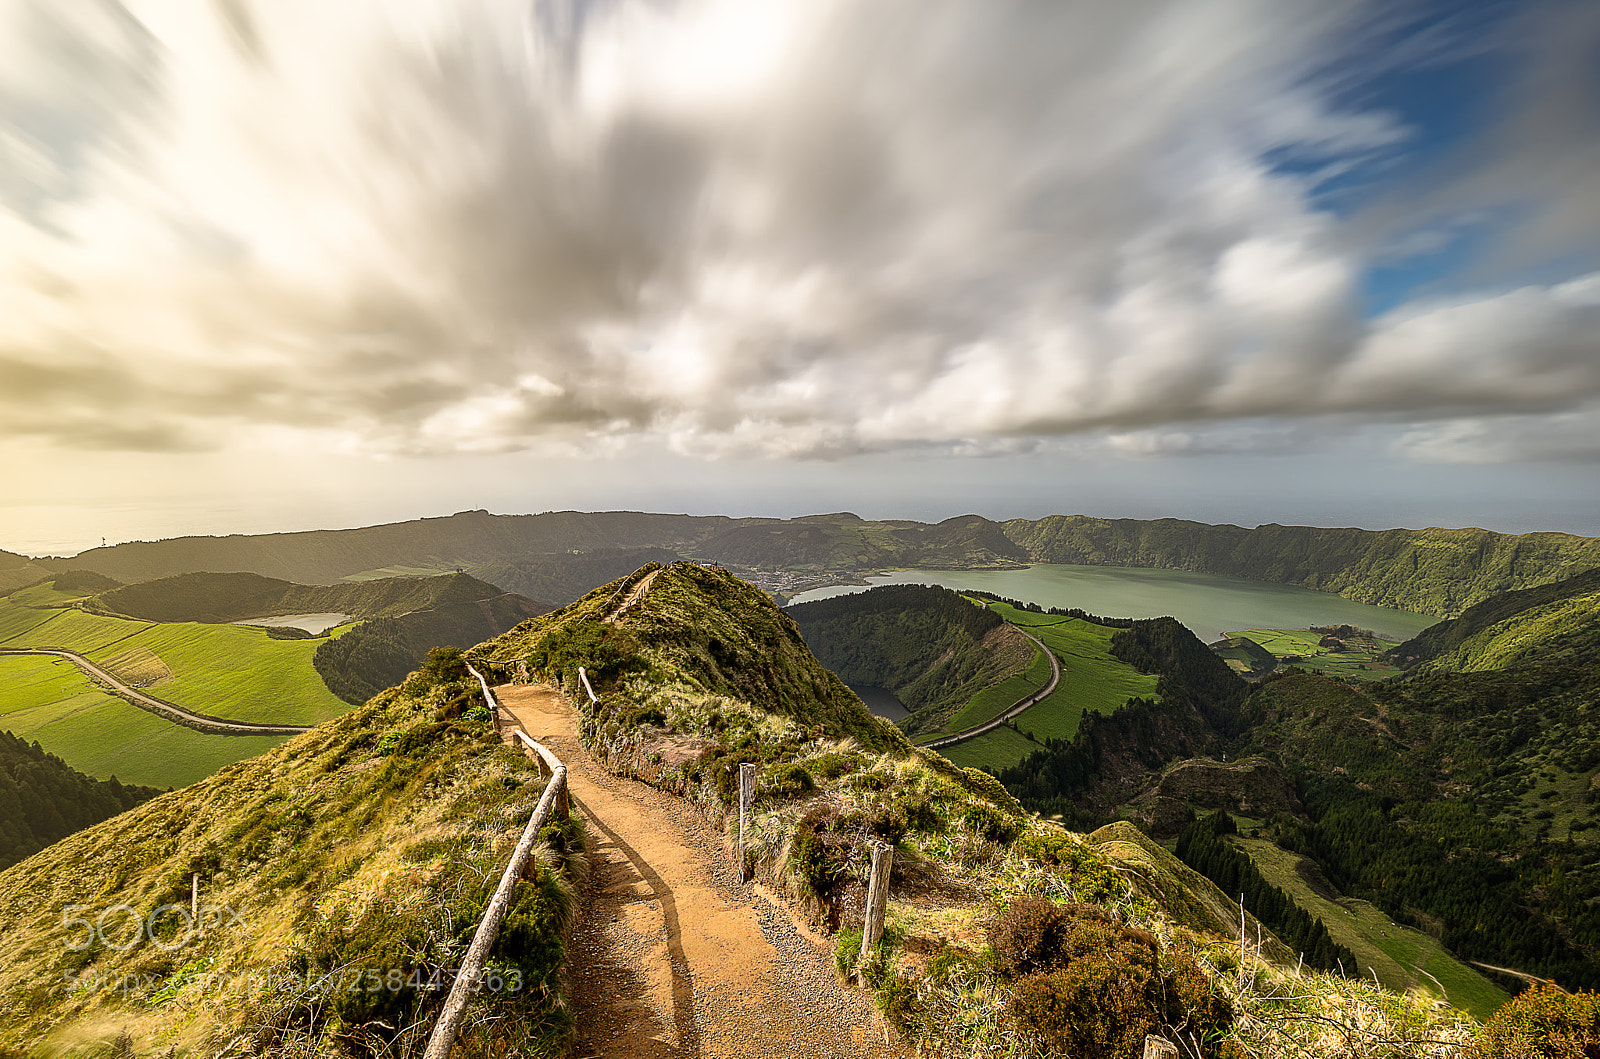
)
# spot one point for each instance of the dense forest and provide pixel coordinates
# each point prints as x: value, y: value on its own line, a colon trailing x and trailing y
x: 930, y: 646
x: 42, y: 799
x: 1202, y: 846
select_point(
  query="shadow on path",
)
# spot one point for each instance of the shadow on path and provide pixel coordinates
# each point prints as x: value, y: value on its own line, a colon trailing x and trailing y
x: 682, y: 984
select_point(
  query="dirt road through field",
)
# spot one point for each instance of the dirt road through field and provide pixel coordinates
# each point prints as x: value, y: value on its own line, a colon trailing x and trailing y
x: 673, y: 957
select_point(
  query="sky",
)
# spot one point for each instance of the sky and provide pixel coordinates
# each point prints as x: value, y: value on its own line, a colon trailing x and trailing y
x: 285, y: 265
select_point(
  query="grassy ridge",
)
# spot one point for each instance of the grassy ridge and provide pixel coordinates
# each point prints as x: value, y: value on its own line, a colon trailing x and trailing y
x: 51, y: 702
x: 371, y: 844
x: 1404, y: 959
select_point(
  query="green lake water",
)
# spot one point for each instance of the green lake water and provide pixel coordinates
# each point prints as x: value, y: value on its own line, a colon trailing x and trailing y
x: 1208, y: 604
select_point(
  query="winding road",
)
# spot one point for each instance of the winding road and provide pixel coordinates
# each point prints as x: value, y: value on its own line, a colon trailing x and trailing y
x: 1032, y: 699
x: 158, y: 706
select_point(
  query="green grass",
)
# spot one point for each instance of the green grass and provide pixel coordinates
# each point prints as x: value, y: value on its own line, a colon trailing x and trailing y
x: 1404, y: 959
x: 1303, y: 645
x: 50, y: 701
x: 995, y: 699
x: 44, y: 595
x: 15, y: 620
x: 231, y: 671
x: 998, y: 749
x: 237, y: 672
x: 1091, y: 679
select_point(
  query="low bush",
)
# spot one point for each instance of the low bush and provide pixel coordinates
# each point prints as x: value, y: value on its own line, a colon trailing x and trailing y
x: 786, y: 779
x: 1544, y: 1023
x: 1085, y: 985
x: 989, y: 824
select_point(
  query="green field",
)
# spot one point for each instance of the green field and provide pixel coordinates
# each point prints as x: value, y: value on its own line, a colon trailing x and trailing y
x: 995, y: 699
x: 1404, y: 959
x: 231, y: 671
x: 400, y: 571
x: 50, y: 701
x: 1300, y: 647
x: 995, y: 750
x: 1091, y: 679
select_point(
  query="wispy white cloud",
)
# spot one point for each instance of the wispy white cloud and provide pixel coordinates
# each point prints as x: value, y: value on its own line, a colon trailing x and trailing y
x: 797, y: 229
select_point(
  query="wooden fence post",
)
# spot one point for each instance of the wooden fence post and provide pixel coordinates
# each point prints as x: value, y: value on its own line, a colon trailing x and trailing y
x: 747, y: 795
x: 877, y: 898
x: 194, y: 897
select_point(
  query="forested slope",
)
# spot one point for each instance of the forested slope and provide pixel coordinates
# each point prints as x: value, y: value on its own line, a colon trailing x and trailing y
x: 42, y: 799
x: 928, y: 645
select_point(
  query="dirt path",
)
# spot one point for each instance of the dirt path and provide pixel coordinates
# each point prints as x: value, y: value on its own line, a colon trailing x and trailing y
x: 672, y: 956
x: 159, y: 707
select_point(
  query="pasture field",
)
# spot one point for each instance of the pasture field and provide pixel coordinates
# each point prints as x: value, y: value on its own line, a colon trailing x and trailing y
x: 994, y: 750
x: 995, y: 699
x: 227, y: 671
x: 1404, y: 959
x: 1301, y: 647
x: 1091, y: 679
x: 50, y: 701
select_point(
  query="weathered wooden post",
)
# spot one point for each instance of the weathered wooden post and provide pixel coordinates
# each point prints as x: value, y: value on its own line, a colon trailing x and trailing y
x: 1159, y: 1048
x: 194, y: 898
x: 747, y: 796
x: 877, y: 899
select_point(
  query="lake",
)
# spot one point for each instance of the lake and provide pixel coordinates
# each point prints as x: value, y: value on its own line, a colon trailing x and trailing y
x: 315, y: 624
x: 1208, y: 604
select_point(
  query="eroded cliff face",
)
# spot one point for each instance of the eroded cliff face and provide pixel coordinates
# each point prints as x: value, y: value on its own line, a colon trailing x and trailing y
x: 1252, y: 787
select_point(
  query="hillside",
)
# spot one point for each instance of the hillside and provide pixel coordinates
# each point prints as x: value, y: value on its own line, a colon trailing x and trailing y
x: 17, y: 571
x: 930, y: 646
x: 1435, y: 571
x: 368, y: 845
x: 43, y: 800
x: 1553, y: 622
x: 1456, y: 802
x: 666, y: 647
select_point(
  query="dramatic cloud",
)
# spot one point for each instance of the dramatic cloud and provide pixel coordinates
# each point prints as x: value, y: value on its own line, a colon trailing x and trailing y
x: 788, y: 228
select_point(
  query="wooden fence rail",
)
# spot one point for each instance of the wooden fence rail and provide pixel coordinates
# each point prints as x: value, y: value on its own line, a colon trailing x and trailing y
x: 555, y: 798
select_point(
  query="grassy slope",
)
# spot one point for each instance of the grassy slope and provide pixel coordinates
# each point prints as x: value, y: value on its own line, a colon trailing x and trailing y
x: 51, y: 702
x: 1404, y: 959
x: 994, y: 700
x: 1091, y: 679
x: 333, y: 823
x: 661, y: 691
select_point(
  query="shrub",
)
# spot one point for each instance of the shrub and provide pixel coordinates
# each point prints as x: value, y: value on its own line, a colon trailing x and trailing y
x: 832, y: 765
x: 1035, y: 934
x: 1544, y: 1023
x: 918, y: 814
x: 786, y: 779
x: 989, y: 823
x: 1048, y: 846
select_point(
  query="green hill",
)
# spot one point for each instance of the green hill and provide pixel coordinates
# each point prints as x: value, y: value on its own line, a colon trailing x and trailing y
x: 1435, y: 571
x: 930, y: 646
x: 1559, y: 621
x: 369, y: 844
